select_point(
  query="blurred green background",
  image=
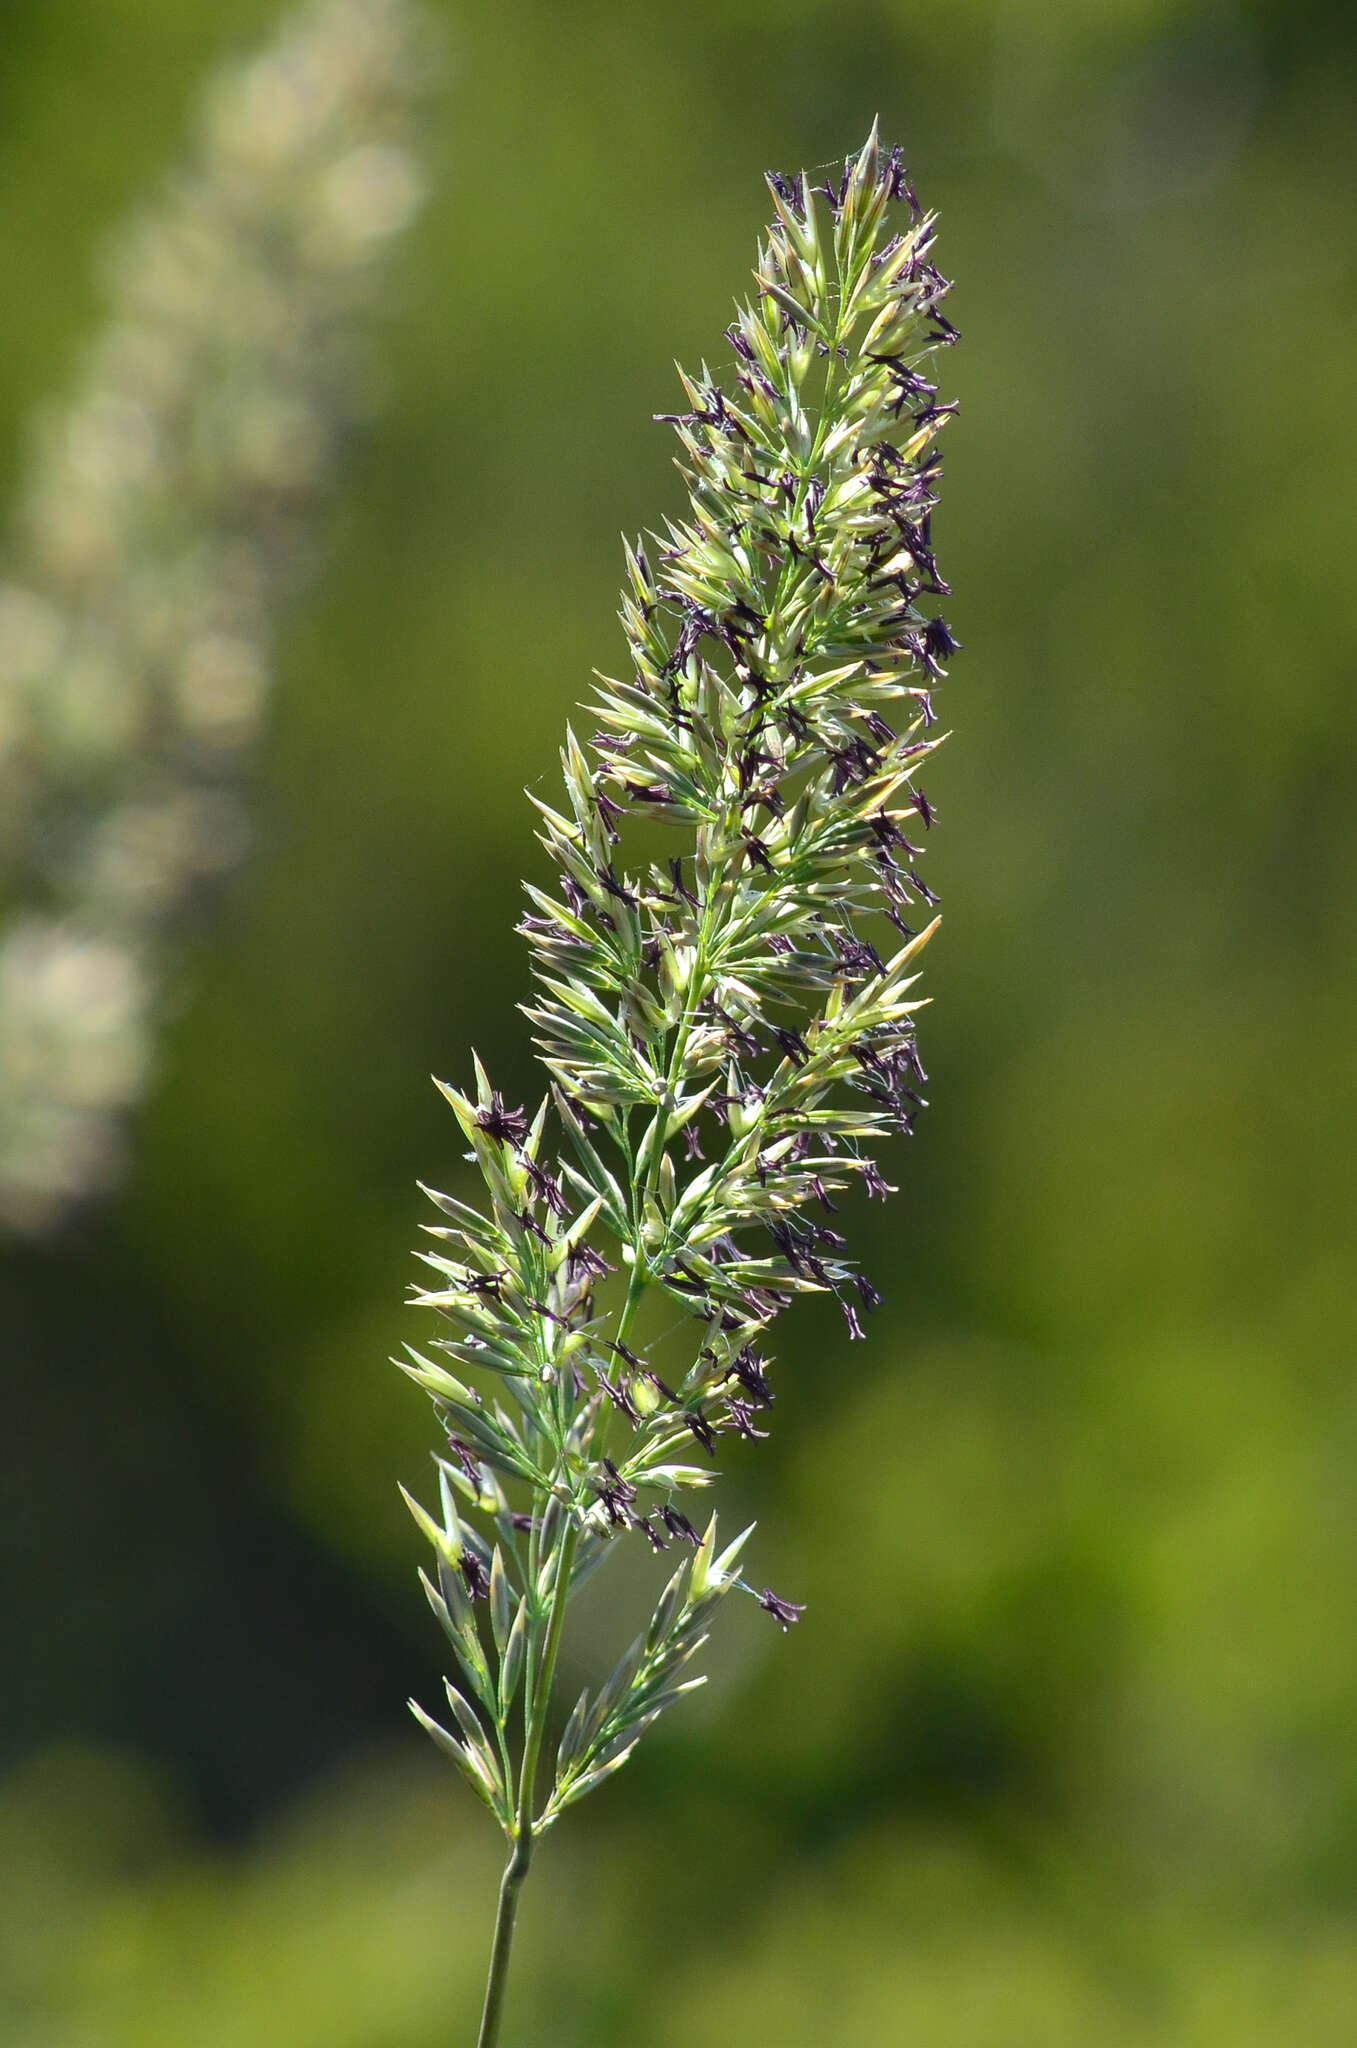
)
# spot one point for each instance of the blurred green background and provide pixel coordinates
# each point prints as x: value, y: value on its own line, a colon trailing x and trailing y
x: 1066, y: 1750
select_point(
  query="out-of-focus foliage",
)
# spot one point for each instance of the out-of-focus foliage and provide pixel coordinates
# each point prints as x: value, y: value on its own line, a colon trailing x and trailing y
x: 1064, y: 1751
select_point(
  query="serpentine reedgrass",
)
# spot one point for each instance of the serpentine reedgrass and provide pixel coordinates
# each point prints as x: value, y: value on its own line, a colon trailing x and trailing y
x: 724, y: 1031
x: 168, y: 512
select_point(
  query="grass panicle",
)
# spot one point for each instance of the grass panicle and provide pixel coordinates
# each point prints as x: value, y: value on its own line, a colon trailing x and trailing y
x: 727, y: 1029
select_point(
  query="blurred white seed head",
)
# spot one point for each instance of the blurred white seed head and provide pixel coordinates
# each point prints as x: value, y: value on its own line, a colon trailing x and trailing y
x: 166, y: 514
x: 73, y: 1043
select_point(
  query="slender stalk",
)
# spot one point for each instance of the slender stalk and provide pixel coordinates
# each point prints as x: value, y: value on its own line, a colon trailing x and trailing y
x: 515, y: 1870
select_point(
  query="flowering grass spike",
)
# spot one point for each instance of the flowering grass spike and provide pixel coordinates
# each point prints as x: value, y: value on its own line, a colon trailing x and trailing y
x: 726, y: 1027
